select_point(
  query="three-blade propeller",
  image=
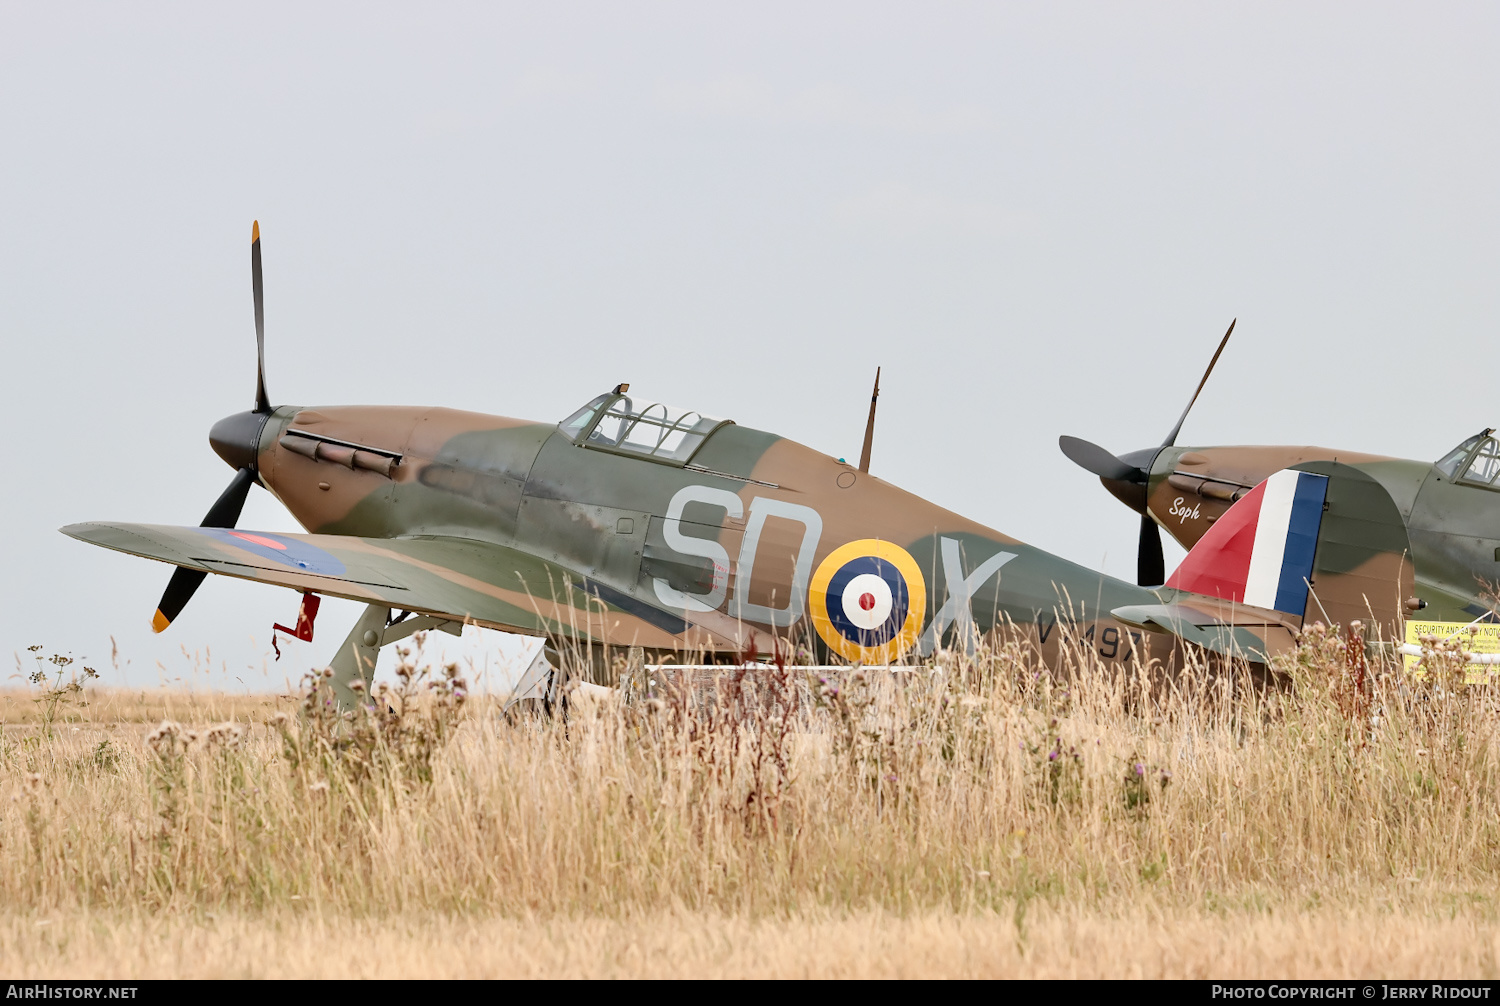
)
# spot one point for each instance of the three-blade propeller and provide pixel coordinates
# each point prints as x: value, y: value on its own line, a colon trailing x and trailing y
x: 236, y: 439
x: 1128, y: 478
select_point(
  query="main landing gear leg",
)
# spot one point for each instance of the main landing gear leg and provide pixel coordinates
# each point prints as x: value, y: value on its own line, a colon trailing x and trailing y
x: 355, y: 660
x: 539, y: 682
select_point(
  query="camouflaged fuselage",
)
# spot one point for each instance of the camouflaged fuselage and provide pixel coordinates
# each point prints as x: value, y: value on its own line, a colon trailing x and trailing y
x: 626, y: 531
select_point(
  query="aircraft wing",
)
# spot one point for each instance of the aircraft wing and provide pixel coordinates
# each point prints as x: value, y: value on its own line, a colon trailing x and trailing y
x: 1233, y: 630
x: 464, y: 579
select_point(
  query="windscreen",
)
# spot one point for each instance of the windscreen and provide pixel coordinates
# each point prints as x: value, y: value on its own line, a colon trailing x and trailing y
x: 652, y: 428
x: 1449, y: 462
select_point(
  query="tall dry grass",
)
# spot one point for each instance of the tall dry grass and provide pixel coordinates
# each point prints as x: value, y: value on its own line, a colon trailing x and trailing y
x: 978, y: 789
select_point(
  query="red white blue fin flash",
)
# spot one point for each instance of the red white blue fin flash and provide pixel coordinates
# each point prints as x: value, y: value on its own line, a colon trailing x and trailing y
x: 1261, y: 551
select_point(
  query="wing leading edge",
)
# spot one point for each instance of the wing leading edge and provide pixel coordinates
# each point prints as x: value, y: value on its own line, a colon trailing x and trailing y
x: 482, y: 582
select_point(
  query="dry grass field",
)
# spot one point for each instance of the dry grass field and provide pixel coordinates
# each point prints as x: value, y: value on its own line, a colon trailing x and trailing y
x: 968, y: 818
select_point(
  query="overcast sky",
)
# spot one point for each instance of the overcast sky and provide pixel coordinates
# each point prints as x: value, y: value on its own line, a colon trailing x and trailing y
x: 1038, y: 218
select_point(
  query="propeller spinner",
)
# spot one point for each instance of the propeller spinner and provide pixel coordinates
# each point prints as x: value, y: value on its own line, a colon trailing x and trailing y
x: 1128, y: 476
x: 236, y: 439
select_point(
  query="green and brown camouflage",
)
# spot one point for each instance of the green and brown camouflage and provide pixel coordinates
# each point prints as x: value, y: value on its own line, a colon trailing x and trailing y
x: 589, y: 531
x: 559, y: 529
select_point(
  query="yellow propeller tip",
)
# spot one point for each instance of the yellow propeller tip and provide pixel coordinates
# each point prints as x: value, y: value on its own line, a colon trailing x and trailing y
x: 255, y: 232
x: 160, y: 622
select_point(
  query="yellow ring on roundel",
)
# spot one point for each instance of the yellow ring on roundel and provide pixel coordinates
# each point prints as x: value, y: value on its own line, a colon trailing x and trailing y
x: 916, y: 601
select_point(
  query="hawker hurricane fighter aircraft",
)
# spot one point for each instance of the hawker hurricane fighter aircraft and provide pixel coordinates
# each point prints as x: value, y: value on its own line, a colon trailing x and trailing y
x: 636, y: 525
x: 1449, y: 509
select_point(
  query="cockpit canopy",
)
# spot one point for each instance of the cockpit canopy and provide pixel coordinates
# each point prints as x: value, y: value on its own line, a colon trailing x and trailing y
x: 618, y: 423
x: 1474, y: 462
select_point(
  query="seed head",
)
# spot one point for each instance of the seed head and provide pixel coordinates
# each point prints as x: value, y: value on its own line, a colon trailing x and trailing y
x: 164, y: 736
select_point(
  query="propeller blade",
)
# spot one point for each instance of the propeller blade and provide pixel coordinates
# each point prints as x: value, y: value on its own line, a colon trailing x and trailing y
x: 262, y: 401
x: 226, y: 509
x: 180, y: 590
x: 864, y: 456
x: 224, y: 513
x: 1093, y: 458
x: 1150, y: 566
x: 1172, y: 437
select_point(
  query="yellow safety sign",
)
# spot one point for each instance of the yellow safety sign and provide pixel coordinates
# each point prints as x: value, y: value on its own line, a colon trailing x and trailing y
x: 1483, y: 638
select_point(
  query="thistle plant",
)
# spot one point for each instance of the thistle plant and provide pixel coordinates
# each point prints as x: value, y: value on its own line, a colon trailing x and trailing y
x: 55, y: 692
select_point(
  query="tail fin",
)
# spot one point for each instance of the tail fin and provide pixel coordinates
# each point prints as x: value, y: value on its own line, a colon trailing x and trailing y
x: 1318, y: 542
x: 1261, y: 551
